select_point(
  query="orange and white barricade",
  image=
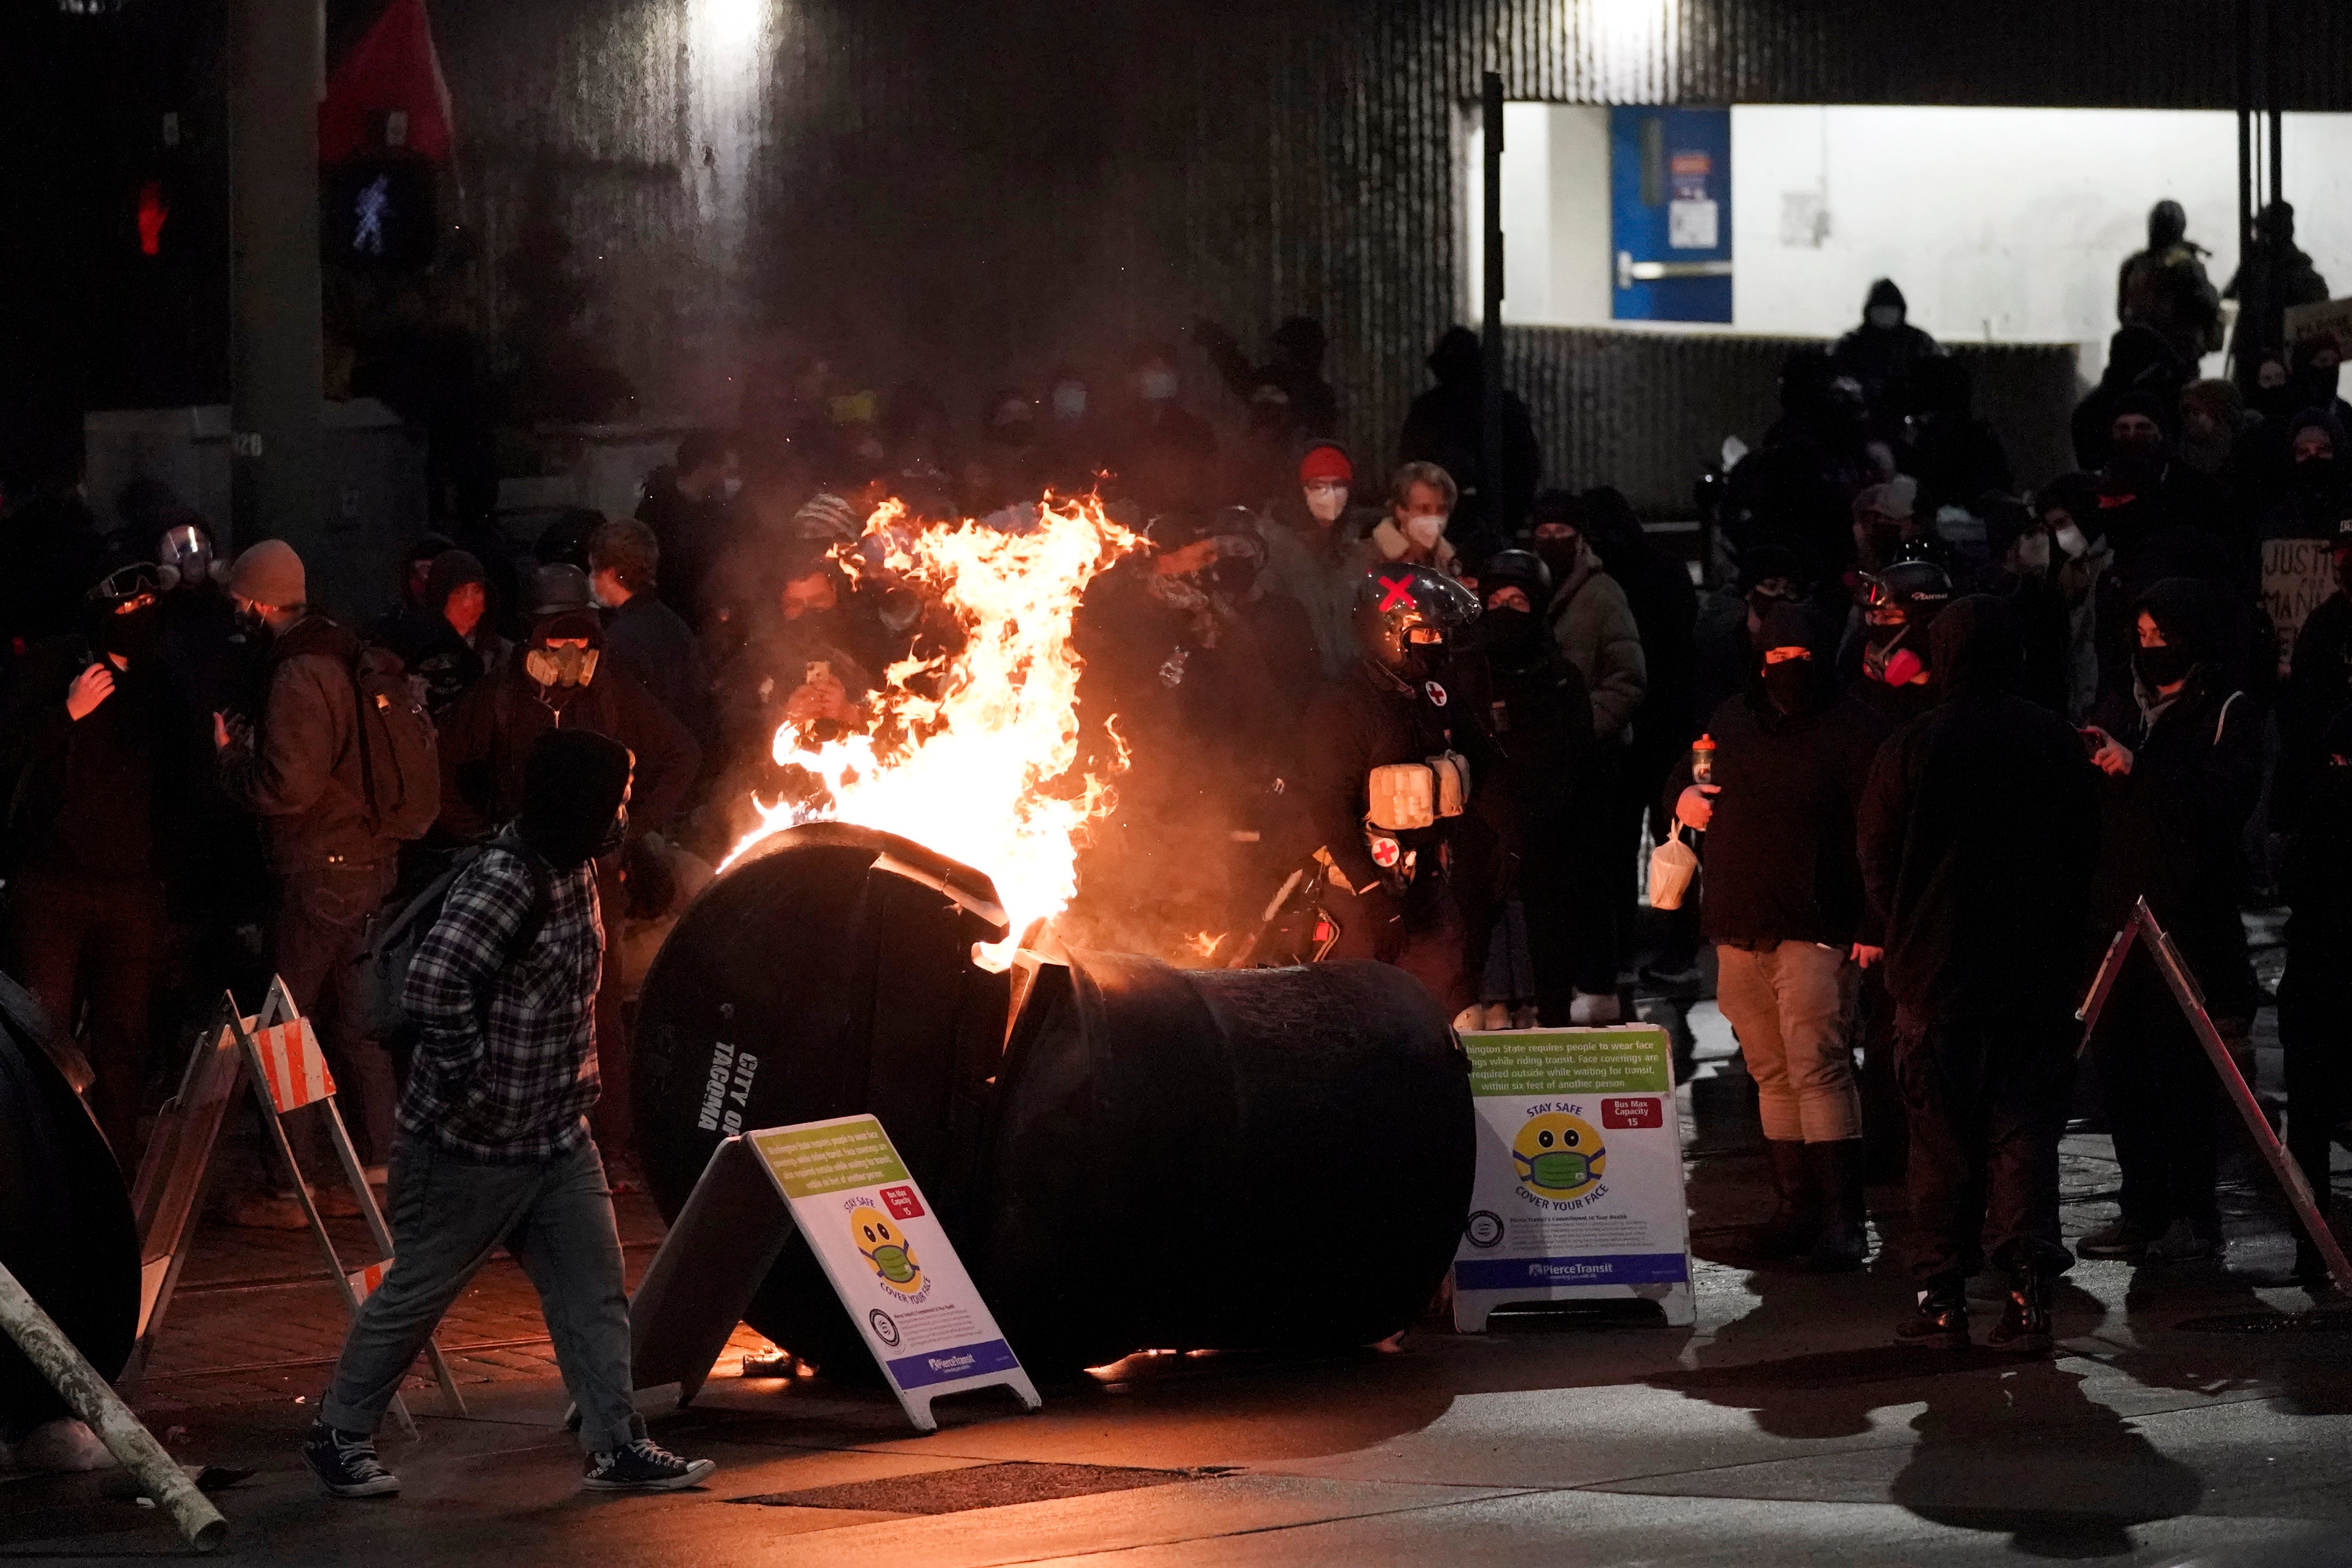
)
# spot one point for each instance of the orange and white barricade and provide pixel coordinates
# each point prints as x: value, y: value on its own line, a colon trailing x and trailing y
x: 280, y: 1050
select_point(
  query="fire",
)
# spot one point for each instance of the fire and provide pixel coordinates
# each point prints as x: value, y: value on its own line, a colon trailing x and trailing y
x: 987, y: 771
x: 1203, y: 944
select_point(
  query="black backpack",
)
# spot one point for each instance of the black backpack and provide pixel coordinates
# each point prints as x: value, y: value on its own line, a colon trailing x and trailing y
x: 392, y: 940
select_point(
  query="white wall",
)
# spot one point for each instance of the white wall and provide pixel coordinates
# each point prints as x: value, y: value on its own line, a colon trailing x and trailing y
x: 2000, y: 224
x: 1556, y: 257
x: 2003, y: 225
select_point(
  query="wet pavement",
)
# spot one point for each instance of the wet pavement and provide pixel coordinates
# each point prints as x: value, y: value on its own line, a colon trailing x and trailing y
x: 1784, y: 1428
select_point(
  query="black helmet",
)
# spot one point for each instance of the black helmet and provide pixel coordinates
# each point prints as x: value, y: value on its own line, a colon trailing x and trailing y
x: 1916, y: 588
x: 1521, y: 569
x: 1406, y: 616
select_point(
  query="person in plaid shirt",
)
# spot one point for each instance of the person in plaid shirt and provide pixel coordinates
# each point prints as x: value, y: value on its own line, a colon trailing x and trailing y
x: 494, y: 1147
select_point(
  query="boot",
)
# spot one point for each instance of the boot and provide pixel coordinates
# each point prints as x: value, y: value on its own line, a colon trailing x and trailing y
x: 1941, y: 1321
x: 2024, y: 1326
x: 1796, y: 1221
x: 1845, y: 1241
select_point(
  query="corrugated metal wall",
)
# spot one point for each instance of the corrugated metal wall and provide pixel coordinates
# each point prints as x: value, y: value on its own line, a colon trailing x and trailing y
x: 969, y: 192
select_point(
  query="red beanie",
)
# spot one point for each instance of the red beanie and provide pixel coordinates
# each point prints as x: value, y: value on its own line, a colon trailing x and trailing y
x: 1326, y: 463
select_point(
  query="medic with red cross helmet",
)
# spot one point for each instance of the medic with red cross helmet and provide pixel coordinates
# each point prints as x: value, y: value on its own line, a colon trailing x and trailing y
x: 1391, y: 760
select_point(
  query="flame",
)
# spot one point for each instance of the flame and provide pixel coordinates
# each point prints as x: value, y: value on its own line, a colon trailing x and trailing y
x: 1203, y: 944
x: 986, y: 771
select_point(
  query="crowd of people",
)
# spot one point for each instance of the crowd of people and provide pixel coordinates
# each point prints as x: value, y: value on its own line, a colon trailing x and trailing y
x: 1427, y: 714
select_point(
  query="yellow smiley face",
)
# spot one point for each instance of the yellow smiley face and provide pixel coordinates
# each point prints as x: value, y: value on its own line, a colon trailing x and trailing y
x: 1557, y: 1155
x: 886, y: 1250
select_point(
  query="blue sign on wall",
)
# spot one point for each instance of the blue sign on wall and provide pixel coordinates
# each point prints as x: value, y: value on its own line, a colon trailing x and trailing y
x: 1670, y: 214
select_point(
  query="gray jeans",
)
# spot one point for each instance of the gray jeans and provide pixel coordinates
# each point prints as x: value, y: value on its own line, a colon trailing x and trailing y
x: 447, y: 1213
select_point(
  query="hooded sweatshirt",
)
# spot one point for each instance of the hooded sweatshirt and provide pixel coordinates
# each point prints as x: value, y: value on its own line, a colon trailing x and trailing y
x: 1976, y: 837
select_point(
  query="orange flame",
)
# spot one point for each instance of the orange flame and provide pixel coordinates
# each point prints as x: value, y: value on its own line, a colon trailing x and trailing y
x: 987, y: 771
x: 1203, y: 944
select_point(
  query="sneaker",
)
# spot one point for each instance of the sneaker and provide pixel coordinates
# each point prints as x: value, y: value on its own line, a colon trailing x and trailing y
x: 1497, y: 1016
x: 2187, y: 1242
x: 645, y: 1466
x: 2125, y: 1238
x: 346, y: 1463
x: 1940, y: 1323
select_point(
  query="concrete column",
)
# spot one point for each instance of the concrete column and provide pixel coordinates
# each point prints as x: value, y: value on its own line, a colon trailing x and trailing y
x: 277, y: 353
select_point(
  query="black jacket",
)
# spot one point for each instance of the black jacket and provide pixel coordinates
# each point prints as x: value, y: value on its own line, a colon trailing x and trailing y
x: 1368, y: 720
x: 2318, y: 687
x: 649, y: 641
x: 2168, y: 829
x: 2317, y: 875
x: 1779, y: 862
x: 98, y: 799
x: 1977, y: 836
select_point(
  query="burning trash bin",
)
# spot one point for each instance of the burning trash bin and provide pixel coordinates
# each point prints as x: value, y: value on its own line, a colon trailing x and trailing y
x: 1142, y: 1157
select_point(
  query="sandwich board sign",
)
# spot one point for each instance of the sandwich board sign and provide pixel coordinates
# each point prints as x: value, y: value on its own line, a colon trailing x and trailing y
x: 841, y: 1184
x: 1579, y: 1193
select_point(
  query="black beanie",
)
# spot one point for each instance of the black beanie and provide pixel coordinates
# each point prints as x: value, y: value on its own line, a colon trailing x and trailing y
x: 573, y: 783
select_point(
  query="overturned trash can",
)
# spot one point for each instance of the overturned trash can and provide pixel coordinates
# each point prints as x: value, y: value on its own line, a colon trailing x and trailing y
x: 1142, y: 1157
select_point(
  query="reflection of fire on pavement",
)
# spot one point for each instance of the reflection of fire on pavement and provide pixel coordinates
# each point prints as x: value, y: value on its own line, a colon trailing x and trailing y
x: 974, y: 752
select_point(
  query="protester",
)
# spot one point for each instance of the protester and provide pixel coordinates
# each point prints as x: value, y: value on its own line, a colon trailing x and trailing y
x: 558, y: 679
x: 1894, y: 662
x: 1782, y: 902
x: 1956, y: 456
x: 2182, y: 756
x: 2314, y: 995
x: 1422, y: 501
x: 299, y: 768
x: 1307, y: 405
x: 2164, y: 288
x: 1590, y: 618
x: 446, y: 638
x: 646, y: 639
x: 97, y: 741
x: 494, y: 1145
x: 1394, y: 893
x: 1164, y: 454
x: 1446, y: 426
x: 2273, y: 276
x: 1884, y: 352
x: 690, y: 505
x: 1769, y: 576
x: 1796, y: 489
x: 1317, y: 551
x: 1542, y: 717
x: 1976, y: 837
x: 2318, y: 687
x: 2140, y: 363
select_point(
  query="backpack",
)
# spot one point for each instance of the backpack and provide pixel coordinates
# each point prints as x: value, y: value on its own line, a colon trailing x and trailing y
x: 389, y: 945
x: 400, y: 764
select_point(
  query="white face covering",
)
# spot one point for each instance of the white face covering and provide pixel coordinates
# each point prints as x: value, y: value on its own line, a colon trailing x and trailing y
x: 1884, y: 316
x: 730, y: 486
x: 1326, y: 501
x: 2033, y: 552
x: 1157, y: 385
x: 1425, y: 528
x: 2070, y: 540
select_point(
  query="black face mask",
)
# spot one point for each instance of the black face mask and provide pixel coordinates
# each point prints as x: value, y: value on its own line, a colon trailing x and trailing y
x: 615, y: 836
x: 1786, y: 684
x: 2140, y: 465
x: 1558, y: 554
x: 133, y: 635
x: 1512, y: 633
x: 2161, y: 667
x: 2314, y: 473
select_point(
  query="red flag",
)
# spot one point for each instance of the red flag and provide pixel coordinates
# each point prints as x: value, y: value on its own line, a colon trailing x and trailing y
x: 394, y: 69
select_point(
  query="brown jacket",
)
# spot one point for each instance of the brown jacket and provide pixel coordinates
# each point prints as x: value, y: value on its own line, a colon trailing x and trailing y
x: 301, y: 773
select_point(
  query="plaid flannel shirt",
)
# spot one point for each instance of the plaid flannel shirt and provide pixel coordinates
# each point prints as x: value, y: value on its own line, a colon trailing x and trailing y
x: 506, y: 1060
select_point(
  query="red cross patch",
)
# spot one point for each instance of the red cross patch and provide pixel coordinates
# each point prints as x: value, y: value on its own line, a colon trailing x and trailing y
x: 1435, y: 692
x: 1400, y: 594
